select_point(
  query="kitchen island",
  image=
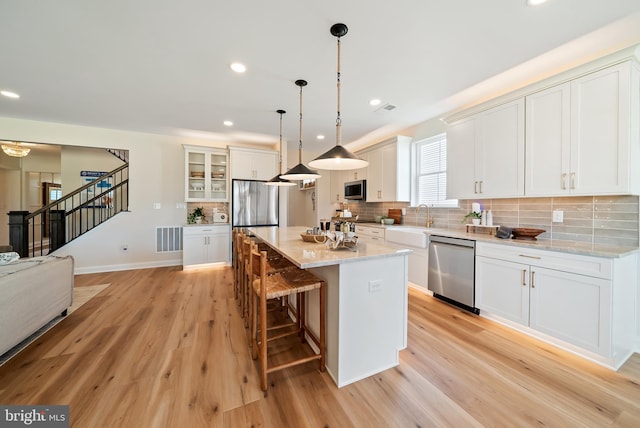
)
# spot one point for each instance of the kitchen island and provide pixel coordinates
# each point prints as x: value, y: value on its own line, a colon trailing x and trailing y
x: 366, y: 300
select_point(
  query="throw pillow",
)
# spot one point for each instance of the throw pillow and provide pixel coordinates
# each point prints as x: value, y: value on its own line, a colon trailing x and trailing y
x: 8, y: 257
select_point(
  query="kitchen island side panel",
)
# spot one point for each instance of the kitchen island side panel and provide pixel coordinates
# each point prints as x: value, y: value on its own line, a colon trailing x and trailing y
x: 366, y: 316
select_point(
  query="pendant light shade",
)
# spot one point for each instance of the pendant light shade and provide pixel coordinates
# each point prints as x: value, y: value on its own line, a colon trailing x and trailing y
x: 277, y: 181
x: 300, y: 171
x: 338, y: 158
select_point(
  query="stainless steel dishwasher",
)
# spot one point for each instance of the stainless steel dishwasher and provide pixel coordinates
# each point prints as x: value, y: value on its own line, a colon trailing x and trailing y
x: 452, y: 271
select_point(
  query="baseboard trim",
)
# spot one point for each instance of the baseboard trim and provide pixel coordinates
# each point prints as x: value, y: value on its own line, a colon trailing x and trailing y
x: 128, y: 266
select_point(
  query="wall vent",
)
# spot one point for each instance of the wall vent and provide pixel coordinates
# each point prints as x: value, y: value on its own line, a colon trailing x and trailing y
x: 168, y: 239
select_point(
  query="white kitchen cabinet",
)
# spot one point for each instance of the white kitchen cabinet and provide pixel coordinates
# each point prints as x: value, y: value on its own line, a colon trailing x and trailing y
x: 508, y: 296
x: 336, y: 193
x: 574, y: 308
x: 578, y: 135
x: 205, y: 245
x: 485, y: 153
x: 253, y: 164
x: 389, y: 172
x: 578, y: 302
x: 206, y: 174
x: 548, y: 141
x: 370, y: 233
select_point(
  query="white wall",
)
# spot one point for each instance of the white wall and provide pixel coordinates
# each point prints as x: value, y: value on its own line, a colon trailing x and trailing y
x: 156, y: 175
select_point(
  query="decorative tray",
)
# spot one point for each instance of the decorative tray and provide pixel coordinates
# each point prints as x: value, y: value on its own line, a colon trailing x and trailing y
x: 318, y: 239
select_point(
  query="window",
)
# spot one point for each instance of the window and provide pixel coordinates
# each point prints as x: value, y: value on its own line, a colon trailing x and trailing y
x: 431, y: 172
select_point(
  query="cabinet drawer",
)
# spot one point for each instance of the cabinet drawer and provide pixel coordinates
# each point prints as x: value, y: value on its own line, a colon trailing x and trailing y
x: 204, y: 230
x: 584, y: 265
x: 377, y: 232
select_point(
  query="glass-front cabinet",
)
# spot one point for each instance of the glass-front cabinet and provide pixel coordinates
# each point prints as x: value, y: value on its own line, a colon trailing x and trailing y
x: 206, y: 178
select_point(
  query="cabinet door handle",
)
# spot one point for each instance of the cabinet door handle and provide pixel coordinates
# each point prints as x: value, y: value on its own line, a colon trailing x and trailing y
x: 524, y: 277
x: 573, y: 180
x: 475, y: 187
x: 337, y: 197
x: 564, y: 181
x: 355, y: 175
x: 533, y: 285
x: 481, y: 186
x: 530, y: 257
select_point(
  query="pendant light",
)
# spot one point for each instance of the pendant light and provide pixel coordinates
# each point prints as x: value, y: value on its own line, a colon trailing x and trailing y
x: 14, y: 149
x: 277, y: 181
x: 338, y: 158
x: 300, y: 171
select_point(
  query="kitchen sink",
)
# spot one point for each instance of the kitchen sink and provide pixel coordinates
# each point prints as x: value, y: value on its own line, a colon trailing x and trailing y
x: 406, y: 235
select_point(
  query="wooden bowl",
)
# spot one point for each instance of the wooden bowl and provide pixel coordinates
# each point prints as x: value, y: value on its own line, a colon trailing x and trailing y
x: 526, y: 233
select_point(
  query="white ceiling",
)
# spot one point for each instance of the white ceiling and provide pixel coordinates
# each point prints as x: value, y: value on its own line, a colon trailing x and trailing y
x: 161, y: 66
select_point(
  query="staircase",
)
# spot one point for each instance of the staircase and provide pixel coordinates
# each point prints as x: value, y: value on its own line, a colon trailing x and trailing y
x: 60, y: 222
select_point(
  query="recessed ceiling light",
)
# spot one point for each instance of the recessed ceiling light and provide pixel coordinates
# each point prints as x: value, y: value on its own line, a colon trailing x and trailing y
x: 535, y: 2
x: 238, y: 67
x: 9, y: 94
x: 320, y: 137
x: 375, y: 102
x: 228, y: 123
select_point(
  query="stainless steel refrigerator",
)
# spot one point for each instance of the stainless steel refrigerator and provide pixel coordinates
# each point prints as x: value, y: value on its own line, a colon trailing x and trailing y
x: 253, y: 203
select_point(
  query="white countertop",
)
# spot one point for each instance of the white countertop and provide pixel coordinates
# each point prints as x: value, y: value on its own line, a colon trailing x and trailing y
x: 287, y: 240
x: 583, y: 248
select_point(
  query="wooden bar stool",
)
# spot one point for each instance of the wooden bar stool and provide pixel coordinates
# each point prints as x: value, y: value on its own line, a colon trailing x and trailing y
x: 283, y: 283
x: 275, y: 263
x: 234, y: 261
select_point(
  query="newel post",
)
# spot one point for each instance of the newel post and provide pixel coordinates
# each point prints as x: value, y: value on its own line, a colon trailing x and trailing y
x: 57, y: 236
x: 19, y: 232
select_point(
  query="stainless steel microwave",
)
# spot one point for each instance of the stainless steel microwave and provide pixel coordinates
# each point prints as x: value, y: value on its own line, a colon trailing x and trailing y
x: 356, y: 190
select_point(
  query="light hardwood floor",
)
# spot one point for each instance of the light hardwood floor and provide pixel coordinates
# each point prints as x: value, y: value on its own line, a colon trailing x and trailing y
x: 162, y: 347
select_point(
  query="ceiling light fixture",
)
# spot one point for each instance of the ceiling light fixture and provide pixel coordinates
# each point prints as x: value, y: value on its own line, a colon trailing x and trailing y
x: 277, y: 180
x: 9, y: 94
x: 227, y: 123
x: 320, y: 137
x: 338, y: 158
x: 535, y: 2
x: 375, y: 102
x: 14, y: 149
x: 238, y: 67
x: 300, y: 171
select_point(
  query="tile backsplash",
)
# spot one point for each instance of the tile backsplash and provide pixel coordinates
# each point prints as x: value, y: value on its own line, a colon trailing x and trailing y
x: 608, y: 220
x: 222, y: 207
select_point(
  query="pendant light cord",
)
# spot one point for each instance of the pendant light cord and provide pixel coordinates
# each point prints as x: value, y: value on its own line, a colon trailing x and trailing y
x: 281, y: 112
x: 300, y: 135
x: 338, y: 119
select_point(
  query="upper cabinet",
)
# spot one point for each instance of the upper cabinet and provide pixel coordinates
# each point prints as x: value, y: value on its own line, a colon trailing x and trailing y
x: 253, y: 164
x: 388, y: 174
x: 580, y: 135
x: 485, y: 153
x: 577, y: 133
x: 206, y: 178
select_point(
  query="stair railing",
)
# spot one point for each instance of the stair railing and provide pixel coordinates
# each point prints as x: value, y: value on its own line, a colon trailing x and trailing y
x: 60, y: 222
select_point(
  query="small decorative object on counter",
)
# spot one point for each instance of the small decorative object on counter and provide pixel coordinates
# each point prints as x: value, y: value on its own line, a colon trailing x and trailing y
x: 489, y: 218
x: 475, y: 217
x: 483, y: 218
x: 196, y: 216
x: 341, y: 240
x: 526, y: 233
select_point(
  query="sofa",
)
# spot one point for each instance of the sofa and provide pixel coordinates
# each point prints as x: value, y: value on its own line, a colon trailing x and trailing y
x: 33, y: 291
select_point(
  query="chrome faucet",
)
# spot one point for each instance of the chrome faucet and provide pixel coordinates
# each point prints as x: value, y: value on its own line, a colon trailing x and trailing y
x: 429, y: 219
